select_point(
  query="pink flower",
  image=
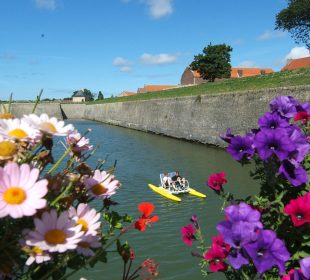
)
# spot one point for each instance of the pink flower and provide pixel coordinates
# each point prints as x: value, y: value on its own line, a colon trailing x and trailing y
x: 216, y: 181
x: 219, y: 241
x: 215, y: 256
x: 299, y: 209
x: 188, y: 234
x: 302, y: 116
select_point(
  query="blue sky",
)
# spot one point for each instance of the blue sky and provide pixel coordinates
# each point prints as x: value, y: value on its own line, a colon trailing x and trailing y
x: 116, y: 45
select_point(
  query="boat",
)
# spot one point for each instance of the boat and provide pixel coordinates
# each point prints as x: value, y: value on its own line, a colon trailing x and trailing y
x: 172, y: 190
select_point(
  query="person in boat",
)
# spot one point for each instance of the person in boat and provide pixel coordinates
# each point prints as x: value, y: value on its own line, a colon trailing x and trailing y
x: 167, y: 180
x: 178, y: 179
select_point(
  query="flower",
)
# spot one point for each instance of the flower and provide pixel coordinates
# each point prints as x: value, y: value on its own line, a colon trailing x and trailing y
x: 21, y: 193
x: 188, y: 234
x: 302, y: 116
x: 37, y: 255
x: 305, y: 267
x: 8, y: 148
x: 150, y: 267
x: 146, y: 208
x: 216, y: 181
x: 78, y: 143
x: 299, y: 139
x: 55, y: 234
x: 227, y: 136
x: 87, y: 217
x: 237, y: 258
x: 241, y: 147
x: 219, y: 241
x: 272, y: 121
x: 85, y: 245
x: 17, y: 129
x: 299, y: 209
x: 268, y: 251
x: 273, y: 141
x: 215, y: 256
x: 284, y: 105
x: 102, y: 184
x: 293, y: 274
x: 194, y: 220
x: 294, y: 173
x: 48, y: 125
x: 7, y: 116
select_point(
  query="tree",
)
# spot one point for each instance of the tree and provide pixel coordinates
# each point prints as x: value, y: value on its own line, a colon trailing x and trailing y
x: 100, y: 96
x: 296, y: 20
x: 89, y: 96
x: 213, y: 63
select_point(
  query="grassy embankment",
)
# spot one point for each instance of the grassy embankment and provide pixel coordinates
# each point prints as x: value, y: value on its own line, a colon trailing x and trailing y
x: 273, y: 80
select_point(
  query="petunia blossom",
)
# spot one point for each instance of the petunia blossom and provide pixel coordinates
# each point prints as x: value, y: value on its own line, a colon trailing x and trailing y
x: 268, y: 251
x: 299, y: 210
x: 305, y: 267
x: 241, y: 147
x: 21, y: 193
x: 146, y: 208
x: 272, y: 121
x: 294, y: 172
x: 216, y: 181
x: 284, y: 105
x: 216, y: 258
x: 302, y: 116
x: 188, y: 233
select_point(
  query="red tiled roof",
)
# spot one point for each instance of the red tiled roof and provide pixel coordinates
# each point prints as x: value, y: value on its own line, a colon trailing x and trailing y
x: 148, y: 88
x: 127, y: 93
x: 248, y: 72
x: 297, y: 63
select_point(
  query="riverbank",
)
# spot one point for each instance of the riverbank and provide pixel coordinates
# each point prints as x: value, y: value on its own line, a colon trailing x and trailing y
x: 200, y: 118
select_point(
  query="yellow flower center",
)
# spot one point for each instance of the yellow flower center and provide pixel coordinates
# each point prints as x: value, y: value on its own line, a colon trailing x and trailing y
x: 14, y: 195
x: 55, y: 236
x: 83, y: 223
x: 18, y: 133
x: 37, y: 250
x: 99, y: 189
x: 48, y: 127
x: 7, y: 116
x: 7, y: 149
x: 84, y: 244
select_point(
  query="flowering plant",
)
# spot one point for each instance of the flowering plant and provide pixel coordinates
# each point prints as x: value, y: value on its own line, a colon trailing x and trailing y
x: 265, y: 236
x: 49, y: 225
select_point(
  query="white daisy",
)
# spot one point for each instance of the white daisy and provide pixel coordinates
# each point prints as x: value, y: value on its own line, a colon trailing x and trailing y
x: 55, y: 234
x: 102, y: 184
x: 86, y: 244
x: 87, y: 217
x: 8, y: 148
x: 21, y: 193
x: 78, y: 143
x: 49, y: 125
x: 18, y: 129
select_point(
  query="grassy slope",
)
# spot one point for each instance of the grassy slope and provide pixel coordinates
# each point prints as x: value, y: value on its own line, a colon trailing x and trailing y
x: 273, y: 80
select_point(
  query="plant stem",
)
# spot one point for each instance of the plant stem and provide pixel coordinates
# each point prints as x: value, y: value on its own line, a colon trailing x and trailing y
x: 62, y: 194
x: 37, y: 101
x: 55, y: 166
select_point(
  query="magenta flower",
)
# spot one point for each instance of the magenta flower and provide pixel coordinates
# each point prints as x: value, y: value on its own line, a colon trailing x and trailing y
x: 302, y: 116
x: 188, y: 233
x: 299, y: 209
x: 215, y: 256
x: 219, y: 241
x: 216, y: 181
x: 293, y: 274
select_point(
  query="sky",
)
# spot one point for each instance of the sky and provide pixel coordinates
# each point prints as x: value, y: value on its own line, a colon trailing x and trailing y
x: 120, y: 45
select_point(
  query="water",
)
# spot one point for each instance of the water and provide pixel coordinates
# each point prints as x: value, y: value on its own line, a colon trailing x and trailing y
x: 141, y: 157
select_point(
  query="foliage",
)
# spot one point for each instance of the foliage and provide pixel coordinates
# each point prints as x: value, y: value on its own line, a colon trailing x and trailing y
x: 213, y: 63
x: 100, y: 96
x: 273, y: 80
x: 296, y: 20
x: 267, y: 235
x: 49, y: 227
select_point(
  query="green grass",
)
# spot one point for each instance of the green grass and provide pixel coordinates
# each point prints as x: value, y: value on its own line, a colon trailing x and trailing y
x: 274, y: 80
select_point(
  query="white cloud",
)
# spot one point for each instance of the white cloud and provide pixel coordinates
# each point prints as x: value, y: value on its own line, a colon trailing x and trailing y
x: 159, y: 8
x: 297, y: 52
x: 46, y: 4
x: 123, y: 64
x: 247, y: 64
x: 162, y: 58
x: 271, y: 34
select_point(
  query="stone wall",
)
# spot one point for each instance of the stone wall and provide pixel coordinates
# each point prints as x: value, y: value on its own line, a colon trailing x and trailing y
x: 200, y: 118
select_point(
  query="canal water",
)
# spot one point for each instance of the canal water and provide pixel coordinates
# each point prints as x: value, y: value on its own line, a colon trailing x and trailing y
x: 141, y: 157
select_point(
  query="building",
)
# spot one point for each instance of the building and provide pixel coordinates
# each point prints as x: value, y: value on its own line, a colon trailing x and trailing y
x: 191, y: 77
x: 150, y: 88
x: 293, y: 64
x: 127, y: 93
x: 79, y: 96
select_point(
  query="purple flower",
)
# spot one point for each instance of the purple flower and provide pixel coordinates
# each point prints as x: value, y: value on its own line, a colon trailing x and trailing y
x: 237, y: 259
x: 305, y: 107
x: 305, y: 267
x: 272, y: 121
x: 273, y: 141
x: 227, y: 136
x: 284, y: 105
x: 293, y: 172
x: 268, y: 251
x: 241, y: 147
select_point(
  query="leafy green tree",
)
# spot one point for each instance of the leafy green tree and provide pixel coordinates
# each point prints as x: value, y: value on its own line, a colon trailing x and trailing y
x: 88, y: 94
x: 296, y: 20
x: 100, y: 96
x: 214, y: 62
